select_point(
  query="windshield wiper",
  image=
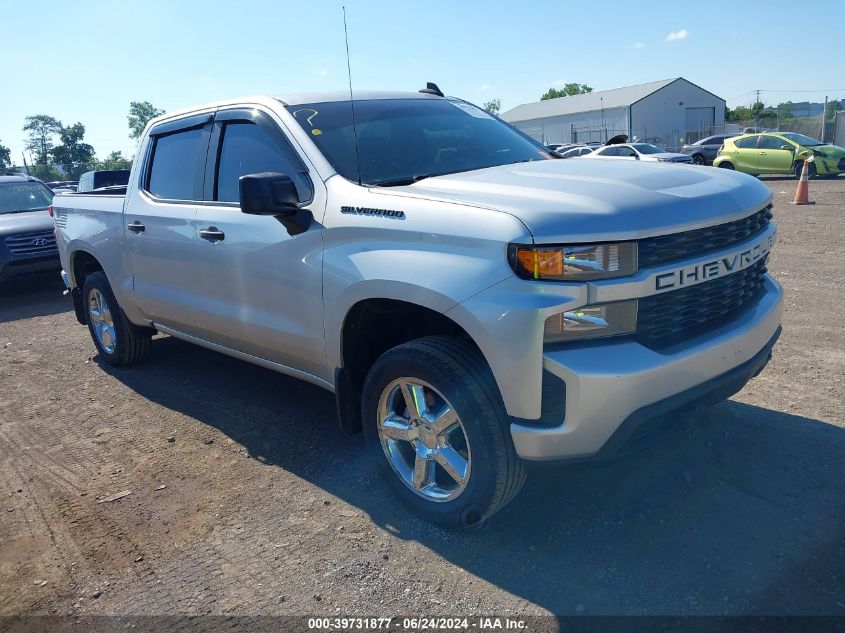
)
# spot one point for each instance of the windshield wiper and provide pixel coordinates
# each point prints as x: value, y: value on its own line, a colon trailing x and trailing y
x: 410, y: 180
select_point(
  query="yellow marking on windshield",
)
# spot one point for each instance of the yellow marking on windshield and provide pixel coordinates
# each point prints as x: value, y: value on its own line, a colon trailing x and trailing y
x: 310, y: 118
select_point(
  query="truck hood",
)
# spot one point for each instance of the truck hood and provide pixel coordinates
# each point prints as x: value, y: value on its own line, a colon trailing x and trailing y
x: 27, y: 222
x: 586, y: 200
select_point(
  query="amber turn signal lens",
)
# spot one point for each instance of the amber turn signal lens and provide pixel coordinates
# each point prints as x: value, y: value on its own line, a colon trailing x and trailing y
x: 540, y: 262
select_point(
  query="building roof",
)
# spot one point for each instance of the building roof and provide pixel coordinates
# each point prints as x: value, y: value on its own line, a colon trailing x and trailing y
x: 587, y: 102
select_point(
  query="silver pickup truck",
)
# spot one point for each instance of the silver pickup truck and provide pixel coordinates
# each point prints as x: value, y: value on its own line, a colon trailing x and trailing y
x: 472, y: 302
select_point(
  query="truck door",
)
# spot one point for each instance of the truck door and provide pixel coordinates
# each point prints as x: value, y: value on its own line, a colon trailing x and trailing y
x: 262, y: 280
x: 774, y: 159
x: 159, y: 232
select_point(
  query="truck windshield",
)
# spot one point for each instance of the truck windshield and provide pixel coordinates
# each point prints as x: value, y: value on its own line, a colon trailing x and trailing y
x: 401, y: 141
x: 24, y: 196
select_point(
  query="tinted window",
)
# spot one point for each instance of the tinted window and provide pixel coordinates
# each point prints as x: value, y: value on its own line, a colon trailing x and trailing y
x: 24, y: 196
x: 625, y: 151
x: 750, y: 142
x: 247, y: 149
x: 608, y: 151
x: 648, y: 148
x: 178, y: 160
x: 402, y: 140
x: 771, y: 142
x: 713, y: 140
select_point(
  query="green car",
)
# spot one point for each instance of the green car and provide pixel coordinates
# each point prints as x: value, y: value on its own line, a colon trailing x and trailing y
x: 780, y: 153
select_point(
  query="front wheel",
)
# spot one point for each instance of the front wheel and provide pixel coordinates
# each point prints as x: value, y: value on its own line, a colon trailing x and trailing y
x: 726, y: 165
x: 118, y: 341
x: 437, y: 426
x: 799, y: 167
x: 698, y: 159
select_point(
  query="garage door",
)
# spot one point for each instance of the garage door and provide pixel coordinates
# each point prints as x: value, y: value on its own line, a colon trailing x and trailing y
x: 700, y: 119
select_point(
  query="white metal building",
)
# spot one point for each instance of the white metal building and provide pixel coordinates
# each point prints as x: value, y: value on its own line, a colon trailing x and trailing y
x: 668, y: 113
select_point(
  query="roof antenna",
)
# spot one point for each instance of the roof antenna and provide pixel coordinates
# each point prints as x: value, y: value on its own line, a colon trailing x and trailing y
x: 351, y: 98
x: 432, y: 89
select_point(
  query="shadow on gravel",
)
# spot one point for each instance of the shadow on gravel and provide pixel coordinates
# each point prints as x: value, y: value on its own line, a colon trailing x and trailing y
x: 744, y: 514
x: 34, y: 296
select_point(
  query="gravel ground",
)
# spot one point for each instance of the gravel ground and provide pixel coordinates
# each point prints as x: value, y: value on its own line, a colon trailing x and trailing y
x: 245, y: 498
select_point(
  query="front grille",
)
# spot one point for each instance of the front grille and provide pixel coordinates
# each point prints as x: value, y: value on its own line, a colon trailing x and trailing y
x: 27, y: 244
x: 663, y: 249
x: 665, y: 319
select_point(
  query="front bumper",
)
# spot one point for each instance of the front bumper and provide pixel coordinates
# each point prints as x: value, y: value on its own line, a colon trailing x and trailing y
x: 610, y: 383
x: 14, y: 268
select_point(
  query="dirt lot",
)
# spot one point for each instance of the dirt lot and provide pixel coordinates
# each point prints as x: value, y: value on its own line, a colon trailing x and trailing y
x: 246, y: 498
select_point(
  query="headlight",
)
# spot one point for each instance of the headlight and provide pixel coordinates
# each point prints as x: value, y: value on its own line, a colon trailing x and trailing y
x: 577, y: 262
x: 595, y: 321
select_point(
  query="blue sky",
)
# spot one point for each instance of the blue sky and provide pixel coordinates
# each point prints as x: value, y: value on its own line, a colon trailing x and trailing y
x: 86, y: 60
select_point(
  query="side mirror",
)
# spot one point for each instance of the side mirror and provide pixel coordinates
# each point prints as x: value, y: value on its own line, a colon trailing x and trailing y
x: 788, y: 148
x: 268, y: 193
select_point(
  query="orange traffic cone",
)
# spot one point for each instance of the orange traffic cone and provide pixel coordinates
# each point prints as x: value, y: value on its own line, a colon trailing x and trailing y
x: 802, y: 194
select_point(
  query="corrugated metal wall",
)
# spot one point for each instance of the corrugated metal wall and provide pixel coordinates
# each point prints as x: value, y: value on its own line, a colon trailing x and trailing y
x: 663, y: 114
x: 559, y: 129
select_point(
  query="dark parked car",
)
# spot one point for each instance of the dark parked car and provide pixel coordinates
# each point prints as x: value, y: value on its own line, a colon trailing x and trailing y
x: 703, y: 152
x: 27, y: 243
x: 91, y: 180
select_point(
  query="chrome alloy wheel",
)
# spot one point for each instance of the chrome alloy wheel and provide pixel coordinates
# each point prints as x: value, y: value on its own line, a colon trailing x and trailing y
x: 424, y: 440
x: 100, y: 316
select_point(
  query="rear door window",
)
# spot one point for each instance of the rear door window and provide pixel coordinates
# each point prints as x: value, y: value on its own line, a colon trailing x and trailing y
x: 177, y: 164
x: 749, y: 142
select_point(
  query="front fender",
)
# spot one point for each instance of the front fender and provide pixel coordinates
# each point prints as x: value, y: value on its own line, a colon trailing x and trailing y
x: 433, y: 279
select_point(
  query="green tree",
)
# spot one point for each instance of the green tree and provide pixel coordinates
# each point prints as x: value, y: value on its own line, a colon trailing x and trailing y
x: 738, y: 114
x: 116, y: 160
x: 5, y: 157
x: 140, y: 113
x: 73, y: 154
x: 567, y: 91
x: 493, y: 106
x: 830, y: 113
x: 757, y: 108
x: 41, y: 130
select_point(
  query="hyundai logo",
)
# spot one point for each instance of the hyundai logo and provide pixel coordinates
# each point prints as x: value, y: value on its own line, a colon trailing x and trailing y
x: 40, y: 241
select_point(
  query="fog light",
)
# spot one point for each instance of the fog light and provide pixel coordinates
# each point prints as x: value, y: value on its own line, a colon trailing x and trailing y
x: 595, y: 321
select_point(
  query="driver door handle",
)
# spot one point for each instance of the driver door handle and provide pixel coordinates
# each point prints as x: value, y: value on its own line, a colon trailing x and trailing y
x: 136, y: 227
x: 212, y: 234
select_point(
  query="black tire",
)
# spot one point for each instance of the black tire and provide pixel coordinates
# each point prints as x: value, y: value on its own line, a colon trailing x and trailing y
x: 698, y: 159
x: 799, y: 166
x: 726, y: 165
x: 131, y: 344
x: 458, y: 371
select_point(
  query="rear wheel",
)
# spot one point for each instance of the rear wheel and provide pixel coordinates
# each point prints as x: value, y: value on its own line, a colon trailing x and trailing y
x: 118, y: 341
x: 436, y: 424
x: 698, y: 159
x: 726, y: 165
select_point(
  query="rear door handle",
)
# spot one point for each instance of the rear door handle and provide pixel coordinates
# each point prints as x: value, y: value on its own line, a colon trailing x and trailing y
x: 136, y: 227
x: 212, y: 234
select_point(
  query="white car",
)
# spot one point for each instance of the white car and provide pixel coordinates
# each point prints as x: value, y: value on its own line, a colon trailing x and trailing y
x: 639, y: 151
